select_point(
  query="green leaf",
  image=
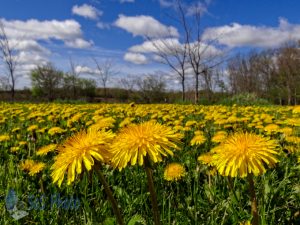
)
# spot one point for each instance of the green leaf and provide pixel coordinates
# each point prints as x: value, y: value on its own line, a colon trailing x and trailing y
x: 136, y: 220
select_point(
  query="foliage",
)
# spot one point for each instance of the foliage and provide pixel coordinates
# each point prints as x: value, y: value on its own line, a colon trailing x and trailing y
x: 245, y: 99
x: 50, y: 83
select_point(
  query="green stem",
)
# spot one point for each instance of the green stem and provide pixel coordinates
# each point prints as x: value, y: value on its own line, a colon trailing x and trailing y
x: 149, y: 173
x: 254, y: 211
x: 109, y: 195
x: 230, y: 182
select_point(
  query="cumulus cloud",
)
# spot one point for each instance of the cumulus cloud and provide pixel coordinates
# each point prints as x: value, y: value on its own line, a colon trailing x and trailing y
x: 87, y: 11
x: 145, y: 26
x: 68, y: 31
x: 78, y: 43
x: 169, y: 44
x: 28, y: 45
x: 154, y: 46
x: 28, y: 37
x: 136, y: 58
x: 26, y: 58
x: 84, y: 70
x: 237, y: 35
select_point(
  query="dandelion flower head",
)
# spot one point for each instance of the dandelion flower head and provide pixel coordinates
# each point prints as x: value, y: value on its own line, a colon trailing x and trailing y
x: 174, y: 172
x: 245, y: 153
x: 137, y: 141
x: 82, y: 148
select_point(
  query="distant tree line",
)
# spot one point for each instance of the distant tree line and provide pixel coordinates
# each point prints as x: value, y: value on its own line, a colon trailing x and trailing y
x: 272, y: 74
x: 49, y: 83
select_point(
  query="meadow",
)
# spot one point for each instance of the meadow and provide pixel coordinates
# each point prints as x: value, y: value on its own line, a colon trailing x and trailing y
x: 193, y: 153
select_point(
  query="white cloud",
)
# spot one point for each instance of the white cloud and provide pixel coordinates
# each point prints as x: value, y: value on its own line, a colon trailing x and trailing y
x: 237, y: 35
x: 28, y: 38
x: 156, y: 45
x: 123, y: 1
x: 190, y: 8
x: 196, y: 8
x: 84, y: 70
x: 78, y: 43
x: 168, y: 46
x: 145, y: 26
x: 25, y: 58
x: 87, y: 11
x: 68, y: 31
x: 166, y: 3
x: 135, y: 58
x: 103, y: 25
x: 28, y: 45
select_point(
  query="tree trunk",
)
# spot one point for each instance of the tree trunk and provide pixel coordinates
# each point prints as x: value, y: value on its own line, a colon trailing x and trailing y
x: 183, y: 89
x: 289, y: 95
x: 196, y: 89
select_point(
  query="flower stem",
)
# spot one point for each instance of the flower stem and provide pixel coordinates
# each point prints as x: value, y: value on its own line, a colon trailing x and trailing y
x: 254, y: 211
x: 149, y: 173
x: 109, y: 195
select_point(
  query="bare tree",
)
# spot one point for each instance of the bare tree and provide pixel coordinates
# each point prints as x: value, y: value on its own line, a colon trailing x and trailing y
x: 288, y: 77
x: 128, y: 83
x: 174, y: 55
x: 191, y: 54
x: 74, y: 78
x: 151, y: 87
x: 9, y: 58
x: 202, y: 56
x: 104, y: 71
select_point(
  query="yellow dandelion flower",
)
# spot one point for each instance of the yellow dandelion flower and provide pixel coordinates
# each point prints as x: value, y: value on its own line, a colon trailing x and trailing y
x: 296, y: 109
x: 42, y: 130
x: 79, y: 149
x: 174, y: 172
x: 271, y: 128
x: 295, y: 122
x: 125, y: 122
x: 32, y: 128
x: 219, y: 136
x: 45, y: 149
x: 245, y: 153
x: 27, y: 164
x: 135, y: 142
x: 103, y: 123
x: 291, y: 148
x: 245, y: 223
x: 55, y: 130
x: 16, y: 129
x: 21, y: 143
x: 32, y: 167
x: 36, y: 168
x: 293, y: 139
x: 15, y: 148
x: 4, y: 138
x: 287, y: 131
x: 206, y: 159
x: 190, y: 123
x: 90, y: 122
x: 198, y: 139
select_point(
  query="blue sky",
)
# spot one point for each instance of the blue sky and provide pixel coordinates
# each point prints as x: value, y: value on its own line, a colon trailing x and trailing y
x: 55, y: 30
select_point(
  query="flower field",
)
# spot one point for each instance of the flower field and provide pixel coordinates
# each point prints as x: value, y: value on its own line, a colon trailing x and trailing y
x: 149, y: 164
